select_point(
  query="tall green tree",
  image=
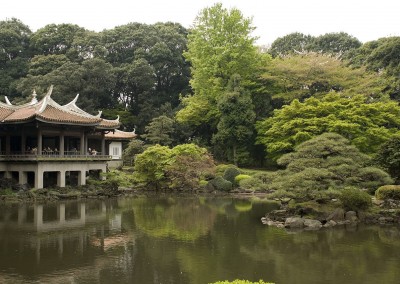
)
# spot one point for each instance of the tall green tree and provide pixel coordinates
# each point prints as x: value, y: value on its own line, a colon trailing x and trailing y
x: 236, y: 124
x: 383, y: 57
x: 56, y: 39
x: 159, y: 130
x: 219, y: 45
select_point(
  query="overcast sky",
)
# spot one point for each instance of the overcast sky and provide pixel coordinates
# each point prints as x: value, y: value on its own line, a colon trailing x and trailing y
x: 365, y: 19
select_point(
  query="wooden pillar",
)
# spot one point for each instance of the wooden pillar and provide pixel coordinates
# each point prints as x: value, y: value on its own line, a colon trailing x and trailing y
x: 23, y: 142
x: 62, y: 142
x: 103, y: 143
x: 39, y: 142
x: 8, y: 144
x: 83, y: 143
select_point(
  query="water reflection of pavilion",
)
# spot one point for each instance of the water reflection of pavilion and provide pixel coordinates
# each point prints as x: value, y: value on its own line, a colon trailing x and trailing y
x: 51, y: 235
x: 59, y: 217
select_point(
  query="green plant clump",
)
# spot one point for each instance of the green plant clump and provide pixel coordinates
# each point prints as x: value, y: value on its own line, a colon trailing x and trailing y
x: 230, y: 174
x: 219, y: 183
x: 355, y: 199
x: 240, y: 177
x: 388, y: 192
x: 237, y: 281
x: 253, y: 184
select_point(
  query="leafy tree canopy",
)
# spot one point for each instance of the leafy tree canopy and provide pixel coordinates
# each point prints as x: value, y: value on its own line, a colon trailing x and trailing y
x: 314, y: 74
x: 330, y: 43
x: 367, y: 125
x: 219, y: 46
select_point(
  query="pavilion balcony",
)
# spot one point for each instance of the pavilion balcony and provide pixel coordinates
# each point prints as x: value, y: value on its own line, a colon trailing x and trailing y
x: 53, y: 156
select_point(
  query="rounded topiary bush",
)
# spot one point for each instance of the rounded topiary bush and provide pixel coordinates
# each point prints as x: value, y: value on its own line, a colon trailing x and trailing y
x: 230, y: 174
x: 388, y: 192
x: 355, y: 199
x: 240, y: 177
x: 219, y: 183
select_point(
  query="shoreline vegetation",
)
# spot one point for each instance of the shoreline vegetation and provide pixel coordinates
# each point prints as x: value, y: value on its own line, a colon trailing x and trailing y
x: 324, y: 210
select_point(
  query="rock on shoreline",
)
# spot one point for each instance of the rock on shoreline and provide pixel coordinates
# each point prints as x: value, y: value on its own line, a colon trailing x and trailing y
x: 285, y: 219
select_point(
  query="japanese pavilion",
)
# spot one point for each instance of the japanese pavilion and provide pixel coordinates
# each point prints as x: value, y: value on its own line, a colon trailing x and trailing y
x: 43, y: 143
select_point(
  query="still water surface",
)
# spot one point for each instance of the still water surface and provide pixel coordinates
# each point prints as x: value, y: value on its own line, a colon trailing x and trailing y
x: 184, y: 240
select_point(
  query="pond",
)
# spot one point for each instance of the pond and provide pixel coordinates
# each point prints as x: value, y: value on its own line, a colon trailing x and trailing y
x: 173, y: 239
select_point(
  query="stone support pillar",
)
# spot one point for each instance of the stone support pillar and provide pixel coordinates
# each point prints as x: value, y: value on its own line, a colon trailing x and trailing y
x: 23, y: 177
x: 39, y: 179
x: 81, y: 178
x: 61, y: 178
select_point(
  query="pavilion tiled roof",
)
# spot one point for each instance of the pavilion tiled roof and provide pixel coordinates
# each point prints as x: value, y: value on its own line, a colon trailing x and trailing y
x: 49, y: 111
x: 118, y: 134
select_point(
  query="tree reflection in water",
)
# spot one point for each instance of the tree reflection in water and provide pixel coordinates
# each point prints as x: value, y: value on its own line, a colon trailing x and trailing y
x: 183, y: 240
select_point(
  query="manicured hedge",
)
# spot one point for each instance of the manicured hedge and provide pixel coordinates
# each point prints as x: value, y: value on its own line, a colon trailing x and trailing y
x: 388, y: 192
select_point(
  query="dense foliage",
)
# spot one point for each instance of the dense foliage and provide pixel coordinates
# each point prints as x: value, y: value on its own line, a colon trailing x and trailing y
x: 330, y: 43
x: 388, y: 192
x: 366, y: 124
x: 301, y: 87
x: 181, y: 167
x: 323, y: 162
x: 135, y: 67
x: 388, y: 157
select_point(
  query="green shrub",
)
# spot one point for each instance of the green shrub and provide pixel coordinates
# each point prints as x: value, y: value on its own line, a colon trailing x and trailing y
x: 237, y: 281
x: 230, y: 174
x: 203, y: 183
x: 279, y: 194
x: 371, y: 178
x: 252, y: 184
x: 220, y: 169
x: 355, y: 199
x: 267, y: 177
x: 388, y: 192
x: 219, y: 183
x: 6, y: 191
x: 240, y: 177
